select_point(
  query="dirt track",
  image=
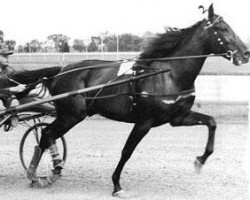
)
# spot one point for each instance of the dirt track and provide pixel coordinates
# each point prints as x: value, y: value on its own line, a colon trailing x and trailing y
x: 160, y: 168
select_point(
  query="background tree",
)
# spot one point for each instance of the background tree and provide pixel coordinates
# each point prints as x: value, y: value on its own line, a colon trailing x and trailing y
x: 95, y: 42
x: 60, y: 41
x: 48, y: 46
x: 20, y: 49
x: 10, y: 44
x: 110, y: 42
x: 1, y: 36
x: 64, y: 47
x: 79, y: 45
x: 147, y: 37
x: 35, y: 46
x: 26, y: 48
x: 130, y: 42
x: 104, y: 42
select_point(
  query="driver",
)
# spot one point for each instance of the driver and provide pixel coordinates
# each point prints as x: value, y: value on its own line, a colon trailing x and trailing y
x: 6, y: 91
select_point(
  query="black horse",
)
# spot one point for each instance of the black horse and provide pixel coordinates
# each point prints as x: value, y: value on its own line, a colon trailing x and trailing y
x: 148, y: 103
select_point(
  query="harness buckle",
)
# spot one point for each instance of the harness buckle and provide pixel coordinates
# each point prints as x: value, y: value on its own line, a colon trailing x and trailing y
x: 230, y: 53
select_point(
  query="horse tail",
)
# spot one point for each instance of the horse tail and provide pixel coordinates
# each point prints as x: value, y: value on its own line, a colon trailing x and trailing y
x: 28, y: 77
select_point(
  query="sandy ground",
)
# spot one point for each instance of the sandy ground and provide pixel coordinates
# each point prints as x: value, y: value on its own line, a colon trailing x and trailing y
x: 160, y: 168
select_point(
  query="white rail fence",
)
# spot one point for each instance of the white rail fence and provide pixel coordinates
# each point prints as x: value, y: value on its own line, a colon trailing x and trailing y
x: 223, y: 89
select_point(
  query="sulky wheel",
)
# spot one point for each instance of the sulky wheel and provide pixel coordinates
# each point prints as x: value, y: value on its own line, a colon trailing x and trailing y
x: 30, y: 139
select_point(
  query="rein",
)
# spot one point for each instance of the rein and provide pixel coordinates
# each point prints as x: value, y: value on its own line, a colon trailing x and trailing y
x: 108, y: 65
x: 114, y: 64
x: 10, y: 79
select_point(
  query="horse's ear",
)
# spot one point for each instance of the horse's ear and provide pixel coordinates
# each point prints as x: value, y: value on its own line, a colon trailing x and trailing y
x: 210, y: 11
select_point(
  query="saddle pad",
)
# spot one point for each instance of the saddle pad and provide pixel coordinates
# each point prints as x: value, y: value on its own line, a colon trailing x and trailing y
x: 125, y: 68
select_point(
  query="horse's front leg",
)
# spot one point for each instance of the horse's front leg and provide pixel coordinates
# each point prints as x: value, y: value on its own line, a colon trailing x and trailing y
x: 195, y: 118
x: 139, y: 131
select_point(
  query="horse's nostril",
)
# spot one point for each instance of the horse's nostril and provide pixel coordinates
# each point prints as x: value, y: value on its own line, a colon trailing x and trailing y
x: 247, y: 54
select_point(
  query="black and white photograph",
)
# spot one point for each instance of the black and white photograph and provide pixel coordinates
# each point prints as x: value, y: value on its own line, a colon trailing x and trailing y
x: 115, y: 99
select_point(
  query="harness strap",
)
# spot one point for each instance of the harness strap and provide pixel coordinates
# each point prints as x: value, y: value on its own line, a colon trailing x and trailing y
x: 209, y: 24
x: 10, y: 79
x: 133, y: 96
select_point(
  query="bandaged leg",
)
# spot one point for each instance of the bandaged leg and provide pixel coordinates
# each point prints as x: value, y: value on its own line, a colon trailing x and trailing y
x: 56, y: 158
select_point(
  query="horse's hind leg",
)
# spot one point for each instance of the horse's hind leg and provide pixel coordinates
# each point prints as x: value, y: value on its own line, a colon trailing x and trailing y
x: 56, y: 158
x: 138, y: 132
x: 194, y: 118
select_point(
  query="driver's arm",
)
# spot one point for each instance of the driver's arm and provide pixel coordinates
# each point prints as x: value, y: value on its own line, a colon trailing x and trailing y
x: 18, y: 88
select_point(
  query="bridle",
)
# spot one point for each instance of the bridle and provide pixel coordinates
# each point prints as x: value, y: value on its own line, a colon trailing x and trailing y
x: 222, y: 42
x: 211, y: 24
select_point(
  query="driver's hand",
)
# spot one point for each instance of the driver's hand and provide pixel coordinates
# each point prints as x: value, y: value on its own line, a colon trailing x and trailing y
x: 18, y: 88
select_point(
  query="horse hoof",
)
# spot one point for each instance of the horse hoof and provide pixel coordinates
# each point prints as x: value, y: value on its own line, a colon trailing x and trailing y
x: 41, y: 182
x: 120, y: 194
x: 36, y: 185
x: 32, y: 176
x: 116, y: 194
x: 54, y: 178
x: 123, y: 195
x: 197, y: 166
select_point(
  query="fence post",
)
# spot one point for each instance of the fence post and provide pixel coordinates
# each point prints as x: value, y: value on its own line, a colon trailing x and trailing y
x: 246, y: 160
x: 117, y: 47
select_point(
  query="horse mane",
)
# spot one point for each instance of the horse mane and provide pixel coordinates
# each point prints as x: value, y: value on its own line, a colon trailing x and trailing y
x: 27, y: 77
x: 166, y: 43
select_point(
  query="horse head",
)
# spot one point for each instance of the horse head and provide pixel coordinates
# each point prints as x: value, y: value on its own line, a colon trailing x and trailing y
x: 222, y: 39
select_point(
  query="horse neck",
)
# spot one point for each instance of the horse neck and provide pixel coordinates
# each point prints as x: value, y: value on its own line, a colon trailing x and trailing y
x: 184, y: 72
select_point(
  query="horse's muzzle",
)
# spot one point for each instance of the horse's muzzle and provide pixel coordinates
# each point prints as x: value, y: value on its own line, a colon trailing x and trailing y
x: 241, y: 58
x: 246, y: 57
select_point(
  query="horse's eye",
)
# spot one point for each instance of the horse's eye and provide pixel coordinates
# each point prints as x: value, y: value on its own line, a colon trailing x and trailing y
x: 223, y: 29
